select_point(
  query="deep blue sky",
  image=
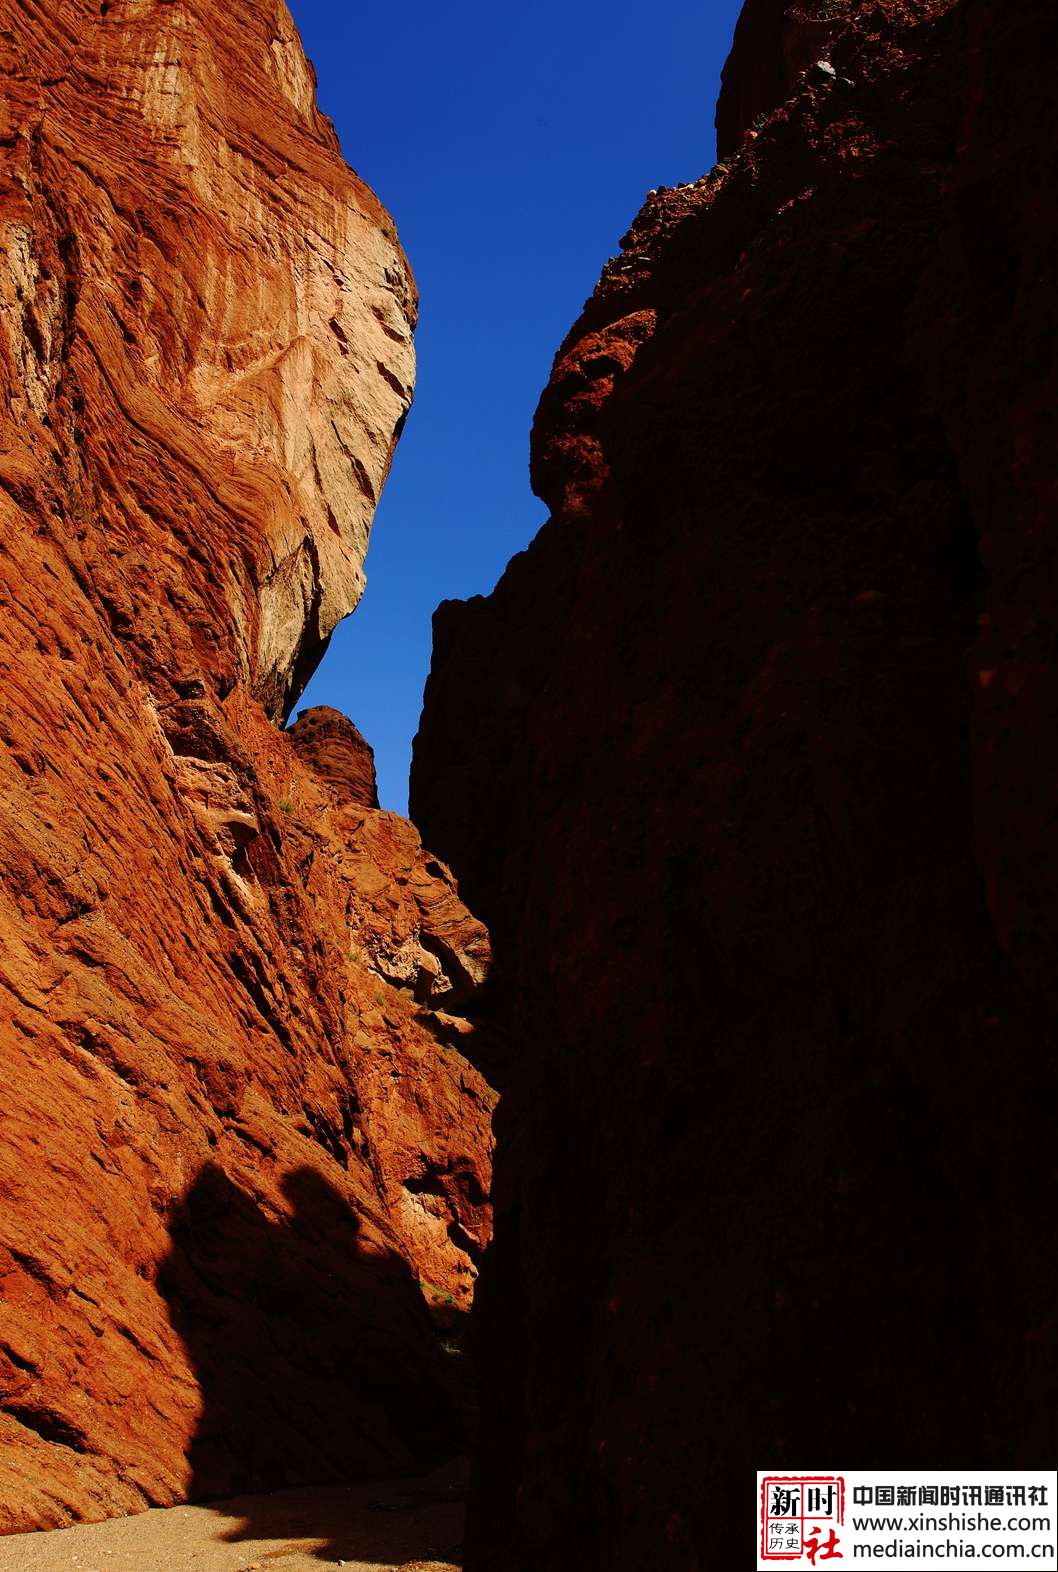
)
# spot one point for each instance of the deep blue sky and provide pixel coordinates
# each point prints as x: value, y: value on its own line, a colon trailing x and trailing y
x: 513, y: 146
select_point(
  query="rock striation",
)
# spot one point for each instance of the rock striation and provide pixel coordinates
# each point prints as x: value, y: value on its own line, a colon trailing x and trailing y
x: 199, y: 294
x: 331, y: 745
x: 242, y: 1152
x: 749, y: 763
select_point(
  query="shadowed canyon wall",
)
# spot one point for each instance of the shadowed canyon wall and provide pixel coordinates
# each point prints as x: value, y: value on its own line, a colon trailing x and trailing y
x: 242, y: 1154
x: 749, y: 761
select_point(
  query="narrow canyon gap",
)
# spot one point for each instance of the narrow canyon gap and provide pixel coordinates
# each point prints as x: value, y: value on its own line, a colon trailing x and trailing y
x: 749, y: 762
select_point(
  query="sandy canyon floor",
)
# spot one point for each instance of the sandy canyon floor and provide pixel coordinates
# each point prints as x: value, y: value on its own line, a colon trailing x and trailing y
x: 414, y: 1525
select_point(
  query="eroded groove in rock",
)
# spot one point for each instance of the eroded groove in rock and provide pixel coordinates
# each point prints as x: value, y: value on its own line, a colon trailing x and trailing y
x: 242, y: 1151
x: 749, y: 762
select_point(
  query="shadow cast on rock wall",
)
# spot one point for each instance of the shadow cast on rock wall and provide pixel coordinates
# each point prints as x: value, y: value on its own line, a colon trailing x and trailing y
x: 316, y: 1360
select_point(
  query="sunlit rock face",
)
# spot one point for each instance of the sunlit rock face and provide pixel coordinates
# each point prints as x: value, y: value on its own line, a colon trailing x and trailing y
x: 243, y: 1154
x: 203, y: 297
x: 750, y: 763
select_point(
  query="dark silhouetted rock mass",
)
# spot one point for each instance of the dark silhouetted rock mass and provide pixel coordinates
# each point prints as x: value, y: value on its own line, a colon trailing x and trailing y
x: 751, y: 763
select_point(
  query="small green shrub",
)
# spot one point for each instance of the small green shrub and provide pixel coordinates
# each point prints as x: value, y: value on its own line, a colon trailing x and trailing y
x: 440, y: 1296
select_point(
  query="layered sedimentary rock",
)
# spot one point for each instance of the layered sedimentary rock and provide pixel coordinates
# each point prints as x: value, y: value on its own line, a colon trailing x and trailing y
x: 329, y: 742
x: 749, y: 762
x: 200, y: 296
x: 241, y: 1152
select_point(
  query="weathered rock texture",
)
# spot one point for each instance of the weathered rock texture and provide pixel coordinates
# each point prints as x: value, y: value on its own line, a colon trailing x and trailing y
x: 201, y: 301
x: 750, y: 762
x: 241, y: 1152
x: 329, y: 742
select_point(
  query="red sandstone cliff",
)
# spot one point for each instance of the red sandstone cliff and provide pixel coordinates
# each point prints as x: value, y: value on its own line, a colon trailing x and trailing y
x: 241, y: 1153
x: 750, y: 762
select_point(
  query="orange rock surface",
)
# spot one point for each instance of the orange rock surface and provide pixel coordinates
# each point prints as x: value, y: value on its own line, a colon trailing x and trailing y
x: 238, y: 1135
x: 331, y: 744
